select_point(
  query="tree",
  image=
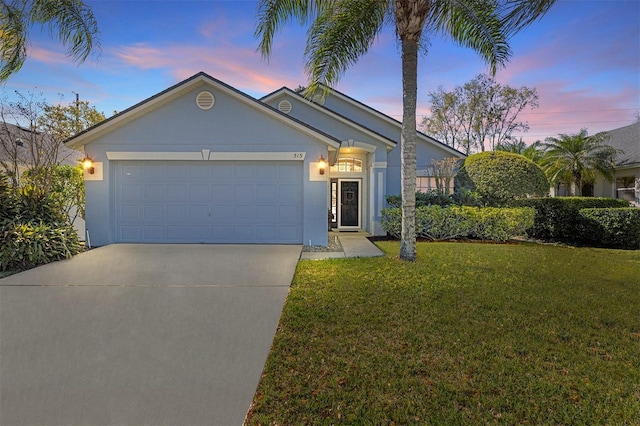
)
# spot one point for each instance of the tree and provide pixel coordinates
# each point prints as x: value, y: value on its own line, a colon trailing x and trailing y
x: 533, y: 152
x: 575, y: 159
x: 71, y: 20
x: 32, y: 135
x: 480, y: 115
x: 342, y: 31
x: 498, y: 177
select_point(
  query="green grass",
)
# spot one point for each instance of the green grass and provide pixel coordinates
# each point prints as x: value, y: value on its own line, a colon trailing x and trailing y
x: 468, y: 334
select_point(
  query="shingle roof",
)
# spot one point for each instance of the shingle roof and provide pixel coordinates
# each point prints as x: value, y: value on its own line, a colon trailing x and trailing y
x: 626, y: 139
x: 20, y: 139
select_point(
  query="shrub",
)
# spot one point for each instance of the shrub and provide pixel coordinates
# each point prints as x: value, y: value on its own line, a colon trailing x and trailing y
x: 442, y: 223
x: 431, y: 198
x: 26, y: 245
x: 499, y: 177
x: 613, y: 227
x: 558, y: 218
x: 33, y: 229
x: 445, y: 223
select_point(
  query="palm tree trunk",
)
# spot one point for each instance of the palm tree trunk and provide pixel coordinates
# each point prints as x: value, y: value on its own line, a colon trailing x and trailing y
x: 408, y: 148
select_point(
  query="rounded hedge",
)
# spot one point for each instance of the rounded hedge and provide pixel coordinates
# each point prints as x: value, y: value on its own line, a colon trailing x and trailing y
x: 498, y: 177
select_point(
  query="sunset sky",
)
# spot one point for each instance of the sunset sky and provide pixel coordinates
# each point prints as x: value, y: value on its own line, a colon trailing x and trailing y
x: 583, y: 57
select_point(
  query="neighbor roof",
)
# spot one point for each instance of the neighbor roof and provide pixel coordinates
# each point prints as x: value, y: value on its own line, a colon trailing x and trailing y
x: 626, y: 139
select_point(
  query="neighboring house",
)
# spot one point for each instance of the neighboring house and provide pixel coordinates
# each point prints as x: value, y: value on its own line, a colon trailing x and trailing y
x: 626, y: 184
x: 21, y: 148
x: 202, y: 162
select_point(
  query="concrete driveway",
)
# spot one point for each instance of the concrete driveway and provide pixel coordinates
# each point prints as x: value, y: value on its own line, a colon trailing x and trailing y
x: 141, y: 334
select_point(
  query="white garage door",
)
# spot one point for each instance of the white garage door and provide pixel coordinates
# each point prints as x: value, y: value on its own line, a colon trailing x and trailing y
x: 208, y: 202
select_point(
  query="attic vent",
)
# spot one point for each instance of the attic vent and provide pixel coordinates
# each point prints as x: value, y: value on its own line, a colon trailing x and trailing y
x: 284, y: 106
x: 205, y: 100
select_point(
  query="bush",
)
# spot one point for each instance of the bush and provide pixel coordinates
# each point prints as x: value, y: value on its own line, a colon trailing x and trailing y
x: 498, y: 177
x: 431, y: 198
x: 558, y: 218
x: 446, y: 223
x: 614, y: 228
x: 33, y: 229
x: 27, y: 245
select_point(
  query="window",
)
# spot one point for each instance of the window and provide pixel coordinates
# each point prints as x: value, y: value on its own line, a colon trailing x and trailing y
x: 428, y: 183
x: 352, y: 165
x: 625, y: 188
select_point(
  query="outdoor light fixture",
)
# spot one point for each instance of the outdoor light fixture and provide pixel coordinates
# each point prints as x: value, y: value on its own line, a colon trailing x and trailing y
x: 322, y: 165
x: 87, y: 164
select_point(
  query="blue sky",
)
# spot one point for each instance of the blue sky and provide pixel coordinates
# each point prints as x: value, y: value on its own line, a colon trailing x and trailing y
x: 583, y: 57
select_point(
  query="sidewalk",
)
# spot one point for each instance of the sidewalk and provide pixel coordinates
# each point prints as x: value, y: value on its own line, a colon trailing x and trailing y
x: 354, y: 245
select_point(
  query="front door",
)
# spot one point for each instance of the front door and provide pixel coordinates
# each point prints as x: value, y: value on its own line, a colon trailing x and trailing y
x: 349, y: 204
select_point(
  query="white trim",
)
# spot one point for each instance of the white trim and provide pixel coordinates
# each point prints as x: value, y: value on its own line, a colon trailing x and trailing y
x: 379, y: 165
x: 359, y: 181
x: 211, y: 156
x: 258, y: 156
x: 154, y: 155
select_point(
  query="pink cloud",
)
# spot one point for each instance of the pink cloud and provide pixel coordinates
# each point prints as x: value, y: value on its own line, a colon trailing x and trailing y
x: 241, y: 67
x: 48, y: 56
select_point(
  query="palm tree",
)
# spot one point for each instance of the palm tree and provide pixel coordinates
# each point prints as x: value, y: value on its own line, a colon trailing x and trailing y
x: 71, y: 20
x: 575, y: 159
x: 533, y: 152
x: 342, y: 31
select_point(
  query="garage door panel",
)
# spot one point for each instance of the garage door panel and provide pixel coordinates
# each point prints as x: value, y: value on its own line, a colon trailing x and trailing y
x: 131, y: 192
x: 220, y: 193
x: 153, y: 232
x: 216, y: 202
x: 153, y: 214
x: 176, y: 212
x: 201, y: 173
x: 222, y: 171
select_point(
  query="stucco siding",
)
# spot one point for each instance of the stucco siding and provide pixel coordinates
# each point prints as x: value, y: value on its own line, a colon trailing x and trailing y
x: 232, y: 126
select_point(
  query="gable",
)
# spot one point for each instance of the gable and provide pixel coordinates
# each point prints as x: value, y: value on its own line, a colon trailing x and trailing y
x: 336, y: 125
x: 173, y: 116
x: 379, y: 122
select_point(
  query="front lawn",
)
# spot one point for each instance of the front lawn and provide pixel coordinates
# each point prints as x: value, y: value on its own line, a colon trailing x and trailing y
x: 468, y: 334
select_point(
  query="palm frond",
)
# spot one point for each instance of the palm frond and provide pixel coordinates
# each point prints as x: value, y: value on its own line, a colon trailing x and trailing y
x: 476, y: 24
x: 72, y: 21
x: 339, y: 37
x: 13, y: 51
x: 519, y: 14
x: 273, y: 14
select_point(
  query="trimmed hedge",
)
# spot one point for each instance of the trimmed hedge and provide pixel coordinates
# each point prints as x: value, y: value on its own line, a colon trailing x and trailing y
x: 498, y: 177
x: 614, y: 228
x: 430, y: 198
x: 446, y: 223
x: 558, y: 218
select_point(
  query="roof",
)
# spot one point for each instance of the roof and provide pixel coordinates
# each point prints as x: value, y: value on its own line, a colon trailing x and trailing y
x: 283, y: 90
x: 17, y: 140
x: 79, y: 140
x: 393, y: 121
x: 626, y: 139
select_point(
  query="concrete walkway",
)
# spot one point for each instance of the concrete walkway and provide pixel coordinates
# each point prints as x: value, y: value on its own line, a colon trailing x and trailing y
x: 353, y: 244
x: 141, y: 334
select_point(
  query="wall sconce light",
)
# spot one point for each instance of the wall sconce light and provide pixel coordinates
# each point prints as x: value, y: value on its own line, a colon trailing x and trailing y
x: 87, y: 164
x: 322, y: 165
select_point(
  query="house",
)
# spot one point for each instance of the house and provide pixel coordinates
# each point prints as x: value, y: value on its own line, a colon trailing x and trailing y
x: 202, y: 162
x: 626, y: 184
x: 22, y: 148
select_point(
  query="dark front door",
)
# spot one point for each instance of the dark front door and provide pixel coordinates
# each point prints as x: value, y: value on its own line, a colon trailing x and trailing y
x: 349, y: 202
